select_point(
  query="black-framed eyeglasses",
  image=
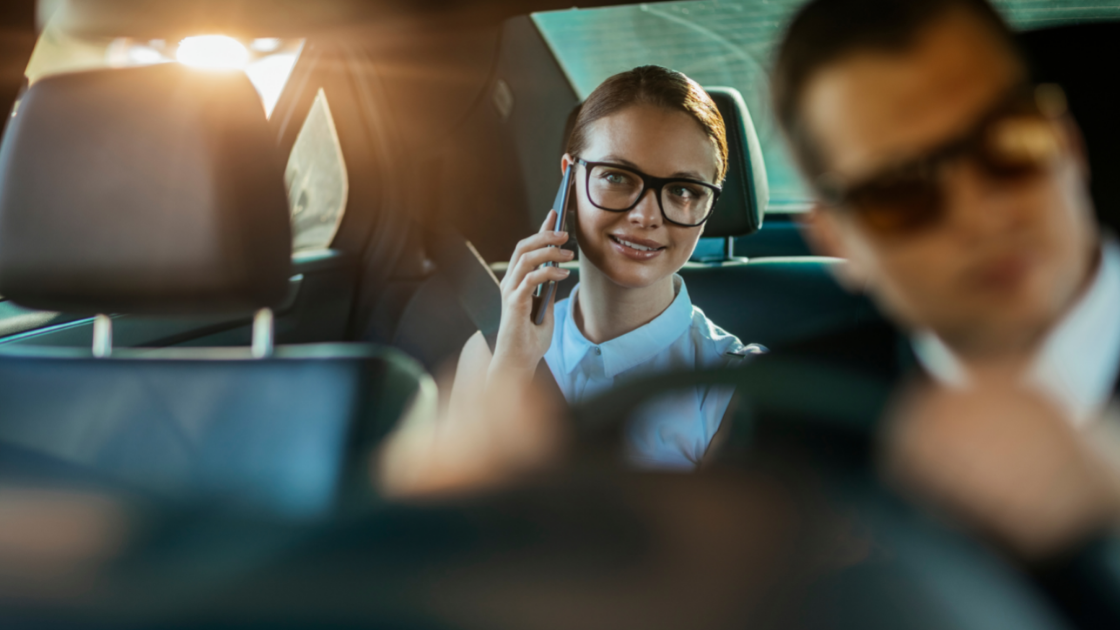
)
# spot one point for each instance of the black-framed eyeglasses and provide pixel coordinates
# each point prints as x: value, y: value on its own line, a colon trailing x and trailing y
x: 617, y: 188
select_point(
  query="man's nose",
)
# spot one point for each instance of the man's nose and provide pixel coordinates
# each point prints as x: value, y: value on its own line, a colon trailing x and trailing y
x: 977, y: 205
x: 647, y: 213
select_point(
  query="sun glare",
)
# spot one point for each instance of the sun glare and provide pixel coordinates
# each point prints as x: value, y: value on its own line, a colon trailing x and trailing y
x: 213, y: 51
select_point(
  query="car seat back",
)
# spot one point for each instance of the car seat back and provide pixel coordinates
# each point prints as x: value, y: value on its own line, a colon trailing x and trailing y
x: 773, y: 300
x: 158, y: 190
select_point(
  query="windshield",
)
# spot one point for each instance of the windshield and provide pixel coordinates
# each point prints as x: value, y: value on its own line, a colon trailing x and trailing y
x: 728, y: 43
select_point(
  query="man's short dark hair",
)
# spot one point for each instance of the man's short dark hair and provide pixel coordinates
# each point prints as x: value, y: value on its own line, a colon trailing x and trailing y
x: 824, y: 31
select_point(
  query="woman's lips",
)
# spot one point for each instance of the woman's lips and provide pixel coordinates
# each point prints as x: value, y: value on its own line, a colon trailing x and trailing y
x: 639, y: 253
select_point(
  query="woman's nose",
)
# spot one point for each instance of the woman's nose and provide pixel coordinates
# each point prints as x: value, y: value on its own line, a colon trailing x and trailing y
x: 647, y: 213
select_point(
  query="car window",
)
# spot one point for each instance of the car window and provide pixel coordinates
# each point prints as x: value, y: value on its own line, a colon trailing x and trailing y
x: 717, y: 43
x: 729, y: 43
x: 317, y: 180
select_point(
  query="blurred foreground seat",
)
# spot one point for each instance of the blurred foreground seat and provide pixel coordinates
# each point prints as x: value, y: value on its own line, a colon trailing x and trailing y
x: 157, y: 191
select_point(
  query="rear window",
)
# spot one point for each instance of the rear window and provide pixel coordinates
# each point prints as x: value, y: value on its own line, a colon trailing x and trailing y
x: 729, y: 43
x: 715, y: 43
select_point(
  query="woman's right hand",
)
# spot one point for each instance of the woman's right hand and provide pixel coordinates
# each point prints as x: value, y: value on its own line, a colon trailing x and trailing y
x: 521, y: 344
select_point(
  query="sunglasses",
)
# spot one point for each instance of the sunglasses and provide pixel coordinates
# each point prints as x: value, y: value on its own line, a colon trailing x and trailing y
x: 1014, y: 142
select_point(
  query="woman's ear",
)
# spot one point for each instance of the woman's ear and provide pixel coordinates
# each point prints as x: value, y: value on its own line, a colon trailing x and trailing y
x: 822, y: 231
x: 564, y: 162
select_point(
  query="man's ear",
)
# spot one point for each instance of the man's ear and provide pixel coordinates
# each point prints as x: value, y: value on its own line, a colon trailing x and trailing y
x: 1075, y: 143
x: 822, y: 231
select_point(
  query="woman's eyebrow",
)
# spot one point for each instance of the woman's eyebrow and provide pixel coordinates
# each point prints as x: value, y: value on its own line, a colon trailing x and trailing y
x: 619, y: 160
x: 689, y: 175
x: 624, y: 162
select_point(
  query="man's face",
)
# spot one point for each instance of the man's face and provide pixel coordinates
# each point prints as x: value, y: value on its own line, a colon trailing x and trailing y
x: 1006, y: 258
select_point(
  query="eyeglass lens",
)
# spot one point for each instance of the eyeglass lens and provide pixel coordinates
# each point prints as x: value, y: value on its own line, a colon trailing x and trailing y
x: 613, y: 188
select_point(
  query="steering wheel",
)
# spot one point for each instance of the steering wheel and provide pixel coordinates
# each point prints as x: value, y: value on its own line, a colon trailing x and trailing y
x: 947, y: 578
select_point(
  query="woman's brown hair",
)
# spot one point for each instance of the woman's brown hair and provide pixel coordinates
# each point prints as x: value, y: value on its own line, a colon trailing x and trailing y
x: 652, y: 85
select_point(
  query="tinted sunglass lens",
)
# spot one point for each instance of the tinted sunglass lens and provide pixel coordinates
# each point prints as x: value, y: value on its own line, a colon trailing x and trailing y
x: 898, y: 205
x: 1018, y: 147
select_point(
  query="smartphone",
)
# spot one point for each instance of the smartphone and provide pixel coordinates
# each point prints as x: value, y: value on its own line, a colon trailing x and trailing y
x: 543, y: 294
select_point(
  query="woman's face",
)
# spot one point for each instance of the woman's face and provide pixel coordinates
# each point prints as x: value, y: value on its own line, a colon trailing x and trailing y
x: 659, y: 142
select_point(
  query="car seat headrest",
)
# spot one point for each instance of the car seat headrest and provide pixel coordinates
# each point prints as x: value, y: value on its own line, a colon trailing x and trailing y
x: 142, y: 190
x: 742, y: 204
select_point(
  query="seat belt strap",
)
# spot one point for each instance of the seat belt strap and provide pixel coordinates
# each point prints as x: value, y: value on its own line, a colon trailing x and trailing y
x: 479, y: 293
x: 476, y: 287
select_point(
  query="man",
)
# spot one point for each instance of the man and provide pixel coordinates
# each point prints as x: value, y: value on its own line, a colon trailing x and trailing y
x: 958, y: 193
x: 956, y: 190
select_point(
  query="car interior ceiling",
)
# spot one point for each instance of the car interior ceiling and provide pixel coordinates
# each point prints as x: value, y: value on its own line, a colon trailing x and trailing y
x: 17, y: 39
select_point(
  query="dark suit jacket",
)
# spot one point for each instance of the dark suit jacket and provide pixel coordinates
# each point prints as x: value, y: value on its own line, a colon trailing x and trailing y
x: 875, y: 349
x: 1084, y: 582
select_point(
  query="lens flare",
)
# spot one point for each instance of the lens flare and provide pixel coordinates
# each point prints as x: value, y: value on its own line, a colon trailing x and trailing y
x: 266, y: 44
x: 213, y: 52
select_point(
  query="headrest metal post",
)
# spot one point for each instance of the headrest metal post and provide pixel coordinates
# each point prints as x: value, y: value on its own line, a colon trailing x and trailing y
x: 730, y: 247
x: 262, y: 334
x: 102, y: 336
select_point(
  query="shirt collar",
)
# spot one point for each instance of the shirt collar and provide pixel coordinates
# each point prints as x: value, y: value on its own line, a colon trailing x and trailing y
x: 938, y: 360
x: 635, y: 347
x: 1077, y: 362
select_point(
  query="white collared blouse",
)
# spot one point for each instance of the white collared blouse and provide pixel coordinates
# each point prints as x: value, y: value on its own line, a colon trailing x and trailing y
x: 672, y: 431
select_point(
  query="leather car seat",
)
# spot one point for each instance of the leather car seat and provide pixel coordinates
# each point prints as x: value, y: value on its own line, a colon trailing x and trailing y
x: 771, y: 300
x: 158, y: 190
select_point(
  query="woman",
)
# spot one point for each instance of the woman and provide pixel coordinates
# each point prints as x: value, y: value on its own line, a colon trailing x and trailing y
x: 648, y: 152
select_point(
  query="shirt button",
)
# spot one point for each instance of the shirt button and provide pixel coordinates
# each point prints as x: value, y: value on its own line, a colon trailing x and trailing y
x: 598, y: 350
